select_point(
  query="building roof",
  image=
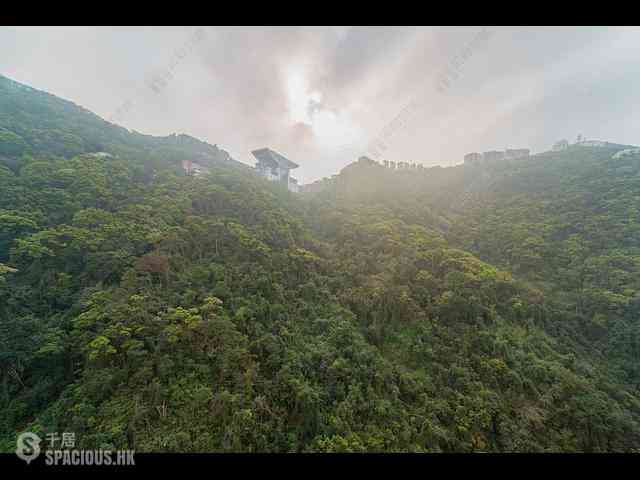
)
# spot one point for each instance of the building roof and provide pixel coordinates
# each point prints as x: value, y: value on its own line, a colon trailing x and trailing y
x: 269, y: 156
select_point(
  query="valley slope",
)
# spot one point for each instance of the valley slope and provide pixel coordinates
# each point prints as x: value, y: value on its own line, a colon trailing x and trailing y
x: 142, y: 308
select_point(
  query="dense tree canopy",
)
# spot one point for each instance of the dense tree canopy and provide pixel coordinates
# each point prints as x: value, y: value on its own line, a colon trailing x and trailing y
x: 450, y: 309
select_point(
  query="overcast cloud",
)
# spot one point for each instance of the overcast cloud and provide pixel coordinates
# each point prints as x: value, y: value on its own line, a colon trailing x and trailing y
x: 322, y: 95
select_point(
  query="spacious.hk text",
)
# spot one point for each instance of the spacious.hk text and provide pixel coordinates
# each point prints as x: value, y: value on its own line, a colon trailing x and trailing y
x: 89, y: 457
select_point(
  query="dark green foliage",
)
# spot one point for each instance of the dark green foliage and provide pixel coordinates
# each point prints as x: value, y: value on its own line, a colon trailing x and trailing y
x: 221, y: 313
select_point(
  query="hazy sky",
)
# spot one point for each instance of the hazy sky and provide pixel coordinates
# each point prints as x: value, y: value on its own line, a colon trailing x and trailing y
x: 322, y: 96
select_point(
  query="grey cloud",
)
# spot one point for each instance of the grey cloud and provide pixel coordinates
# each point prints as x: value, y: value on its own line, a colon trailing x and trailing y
x: 527, y: 87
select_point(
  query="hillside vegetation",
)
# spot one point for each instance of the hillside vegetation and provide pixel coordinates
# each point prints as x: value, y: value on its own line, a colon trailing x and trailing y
x: 456, y: 310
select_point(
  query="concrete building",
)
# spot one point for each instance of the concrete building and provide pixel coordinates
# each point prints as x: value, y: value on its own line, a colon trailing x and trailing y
x: 598, y: 143
x: 275, y: 167
x: 560, y: 145
x: 493, y: 155
x: 293, y: 185
x: 516, y: 153
x: 192, y: 168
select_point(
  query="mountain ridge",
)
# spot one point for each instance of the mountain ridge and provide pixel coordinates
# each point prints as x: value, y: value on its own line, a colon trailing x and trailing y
x: 145, y: 309
x: 92, y: 133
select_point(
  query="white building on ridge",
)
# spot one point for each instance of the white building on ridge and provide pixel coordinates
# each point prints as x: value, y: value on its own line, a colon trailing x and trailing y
x: 275, y: 167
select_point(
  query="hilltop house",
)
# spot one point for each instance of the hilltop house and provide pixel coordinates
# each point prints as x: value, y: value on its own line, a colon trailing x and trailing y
x: 560, y: 145
x: 396, y: 165
x: 599, y: 143
x: 192, y: 168
x: 495, y: 155
x: 583, y: 142
x: 275, y: 167
x: 511, y: 154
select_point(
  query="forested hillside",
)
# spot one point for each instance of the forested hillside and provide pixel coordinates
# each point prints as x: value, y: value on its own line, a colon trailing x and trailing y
x: 36, y: 124
x: 455, y: 310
